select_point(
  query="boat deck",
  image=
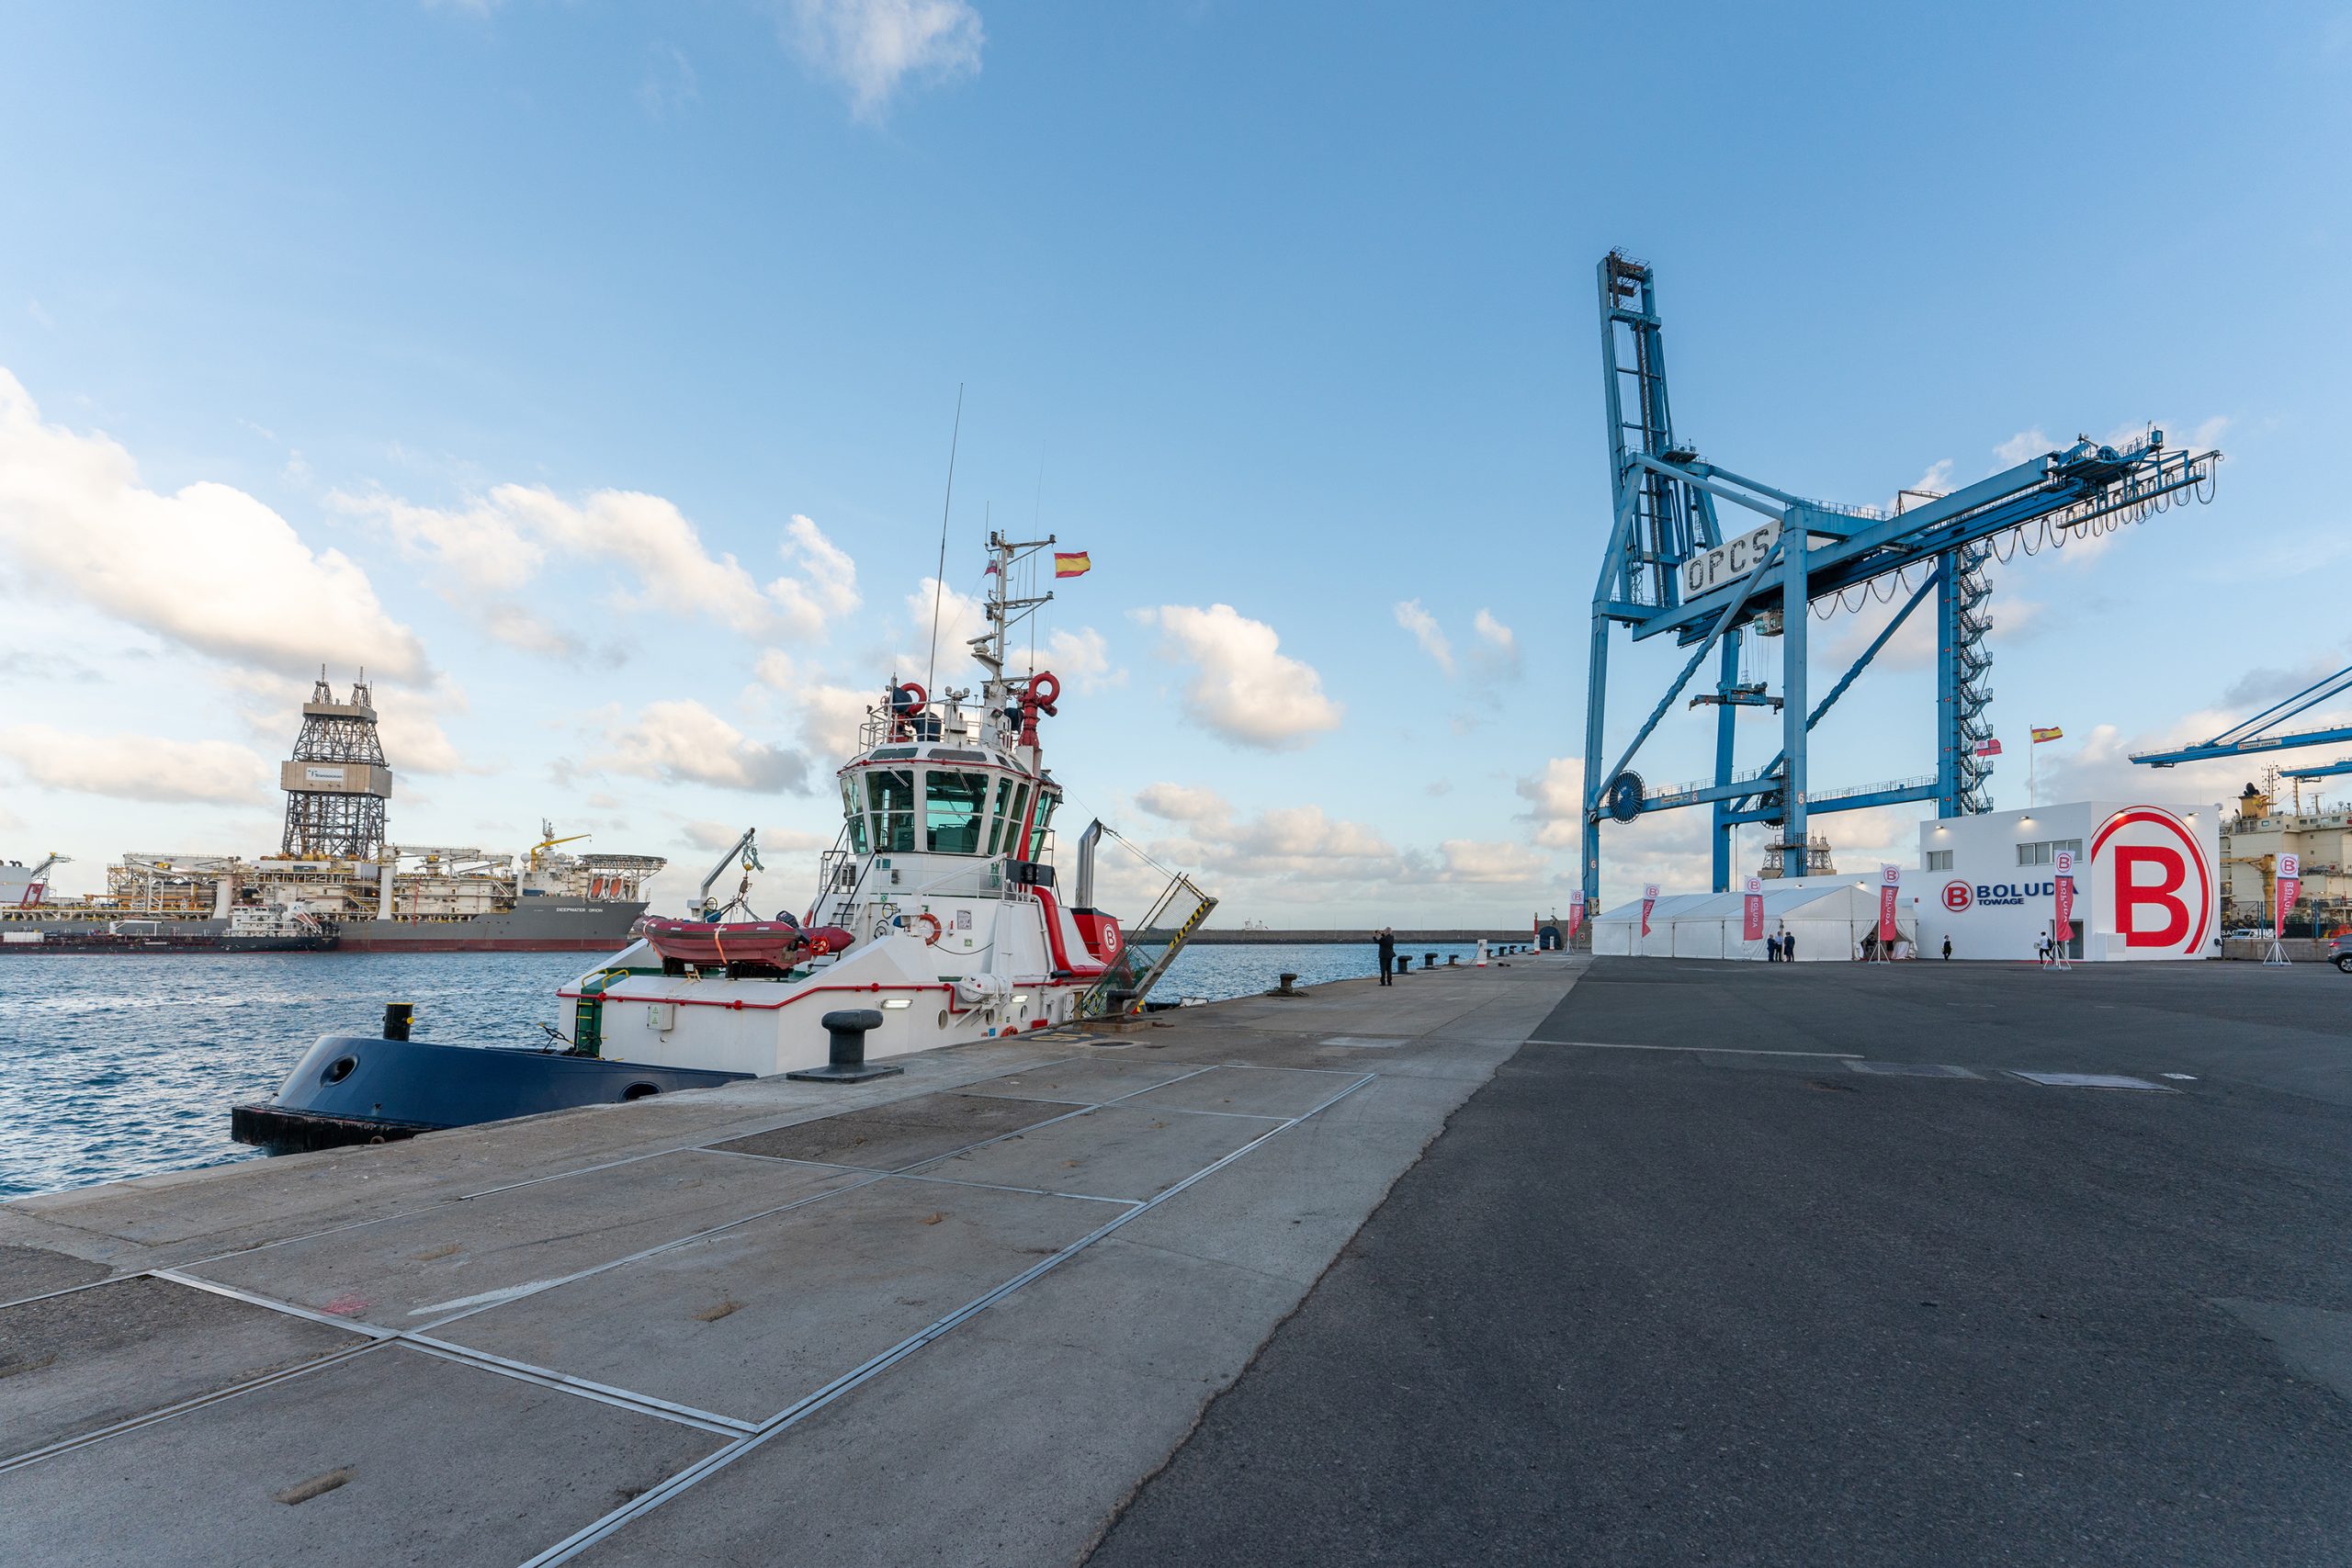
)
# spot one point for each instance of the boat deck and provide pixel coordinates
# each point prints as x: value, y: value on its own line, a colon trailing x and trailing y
x: 956, y: 1315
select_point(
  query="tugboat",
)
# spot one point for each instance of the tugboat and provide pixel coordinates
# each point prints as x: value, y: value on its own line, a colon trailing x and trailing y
x: 936, y: 921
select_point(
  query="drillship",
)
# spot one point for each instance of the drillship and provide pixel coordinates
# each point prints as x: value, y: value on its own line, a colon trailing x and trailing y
x: 337, y: 881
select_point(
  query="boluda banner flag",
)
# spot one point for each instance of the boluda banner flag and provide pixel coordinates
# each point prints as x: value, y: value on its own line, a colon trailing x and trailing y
x: 2291, y: 887
x: 1576, y: 913
x: 2063, y: 894
x: 1751, y: 911
x: 1889, y: 882
x: 1650, y: 902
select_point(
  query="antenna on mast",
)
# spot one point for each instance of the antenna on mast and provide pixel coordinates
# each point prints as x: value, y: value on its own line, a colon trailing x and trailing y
x: 939, y: 581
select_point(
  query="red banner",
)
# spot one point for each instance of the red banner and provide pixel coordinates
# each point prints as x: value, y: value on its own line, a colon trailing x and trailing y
x: 1576, y: 914
x: 2291, y: 887
x: 1650, y: 902
x: 1751, y: 911
x: 1889, y: 882
x: 2062, y: 929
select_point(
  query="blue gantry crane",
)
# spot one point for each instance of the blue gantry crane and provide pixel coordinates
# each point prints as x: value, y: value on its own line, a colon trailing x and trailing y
x: 2253, y: 735
x: 1671, y: 568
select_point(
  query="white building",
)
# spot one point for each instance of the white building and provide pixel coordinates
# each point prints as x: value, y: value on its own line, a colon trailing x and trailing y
x: 2147, y: 885
x: 2147, y: 881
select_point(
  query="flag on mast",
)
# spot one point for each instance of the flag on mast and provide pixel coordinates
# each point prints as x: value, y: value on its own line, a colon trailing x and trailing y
x: 2052, y: 732
x: 1072, y: 563
x: 1992, y: 747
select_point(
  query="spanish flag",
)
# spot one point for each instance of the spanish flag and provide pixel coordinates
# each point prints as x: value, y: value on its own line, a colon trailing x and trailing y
x: 1072, y: 563
x: 2052, y: 733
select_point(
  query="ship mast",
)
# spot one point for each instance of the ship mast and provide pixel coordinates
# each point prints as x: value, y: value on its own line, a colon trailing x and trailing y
x: 1003, y: 610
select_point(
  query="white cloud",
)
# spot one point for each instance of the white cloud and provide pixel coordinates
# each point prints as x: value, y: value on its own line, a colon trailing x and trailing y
x: 682, y: 741
x: 1472, y: 860
x: 481, y: 548
x: 960, y: 617
x: 506, y: 538
x: 1244, y: 688
x: 137, y: 767
x: 872, y: 47
x: 775, y: 669
x: 408, y: 722
x: 1935, y: 481
x: 1083, y: 658
x: 1424, y: 628
x: 207, y: 568
x: 831, y: 717
x: 716, y: 836
x: 1556, y: 796
x: 1182, y: 803
x: 1500, y: 649
x: 414, y: 739
x: 2024, y: 445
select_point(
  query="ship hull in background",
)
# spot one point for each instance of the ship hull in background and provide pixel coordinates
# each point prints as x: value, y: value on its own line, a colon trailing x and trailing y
x: 564, y: 925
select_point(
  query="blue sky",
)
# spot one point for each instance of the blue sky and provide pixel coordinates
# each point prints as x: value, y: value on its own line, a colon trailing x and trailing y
x: 474, y: 340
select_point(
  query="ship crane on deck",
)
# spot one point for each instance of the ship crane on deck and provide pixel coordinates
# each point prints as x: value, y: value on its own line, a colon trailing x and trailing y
x: 1672, y: 567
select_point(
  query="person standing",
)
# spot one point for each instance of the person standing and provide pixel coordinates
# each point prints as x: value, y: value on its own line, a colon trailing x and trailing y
x: 1947, y: 947
x: 1788, y: 946
x: 1386, y: 947
x: 1773, y: 948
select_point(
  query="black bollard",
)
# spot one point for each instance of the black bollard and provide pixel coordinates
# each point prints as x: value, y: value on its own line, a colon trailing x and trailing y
x: 1429, y: 960
x: 1404, y: 963
x: 398, y: 1016
x: 846, y: 1031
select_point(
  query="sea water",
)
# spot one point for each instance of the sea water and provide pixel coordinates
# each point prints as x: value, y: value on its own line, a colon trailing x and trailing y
x: 121, y: 1065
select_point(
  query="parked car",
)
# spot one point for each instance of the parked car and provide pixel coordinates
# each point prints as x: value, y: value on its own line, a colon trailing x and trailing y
x: 2339, y: 951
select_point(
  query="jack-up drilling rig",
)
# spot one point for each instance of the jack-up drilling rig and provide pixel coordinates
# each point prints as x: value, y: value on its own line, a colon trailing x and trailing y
x: 1670, y: 567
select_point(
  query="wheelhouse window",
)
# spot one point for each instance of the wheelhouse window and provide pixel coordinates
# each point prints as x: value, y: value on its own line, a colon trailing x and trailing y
x: 953, y: 806
x: 856, y: 815
x: 1012, y: 802
x: 891, y: 794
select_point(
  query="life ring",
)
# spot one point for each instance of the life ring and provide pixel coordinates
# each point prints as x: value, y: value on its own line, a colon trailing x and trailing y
x: 819, y: 948
x: 908, y: 698
x: 937, y: 930
x: 1045, y: 690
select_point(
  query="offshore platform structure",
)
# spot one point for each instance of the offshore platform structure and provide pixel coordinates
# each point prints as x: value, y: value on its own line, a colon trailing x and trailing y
x: 336, y: 782
x: 1671, y: 568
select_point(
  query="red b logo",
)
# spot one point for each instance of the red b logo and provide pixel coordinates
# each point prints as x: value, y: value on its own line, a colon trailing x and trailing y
x: 1957, y: 898
x: 2159, y: 881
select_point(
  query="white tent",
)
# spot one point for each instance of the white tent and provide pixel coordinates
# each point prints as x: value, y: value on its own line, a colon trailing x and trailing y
x: 1828, y: 916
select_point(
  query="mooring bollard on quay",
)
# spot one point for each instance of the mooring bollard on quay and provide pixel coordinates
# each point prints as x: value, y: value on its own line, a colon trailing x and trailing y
x: 847, y: 1031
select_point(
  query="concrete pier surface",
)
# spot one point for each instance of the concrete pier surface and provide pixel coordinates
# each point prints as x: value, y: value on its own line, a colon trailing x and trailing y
x: 954, y: 1316
x: 1788, y: 1263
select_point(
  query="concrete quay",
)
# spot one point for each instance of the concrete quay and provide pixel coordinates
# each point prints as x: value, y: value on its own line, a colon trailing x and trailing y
x: 954, y: 1316
x: 1790, y: 1264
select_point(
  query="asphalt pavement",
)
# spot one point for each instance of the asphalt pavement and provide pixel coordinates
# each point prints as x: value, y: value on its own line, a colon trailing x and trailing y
x: 1768, y: 1302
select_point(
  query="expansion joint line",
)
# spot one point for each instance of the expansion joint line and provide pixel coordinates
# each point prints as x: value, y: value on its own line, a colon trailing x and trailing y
x: 793, y: 1415
x: 374, y: 1336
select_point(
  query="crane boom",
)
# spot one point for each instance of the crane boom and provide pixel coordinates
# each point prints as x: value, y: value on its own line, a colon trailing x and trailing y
x: 747, y: 846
